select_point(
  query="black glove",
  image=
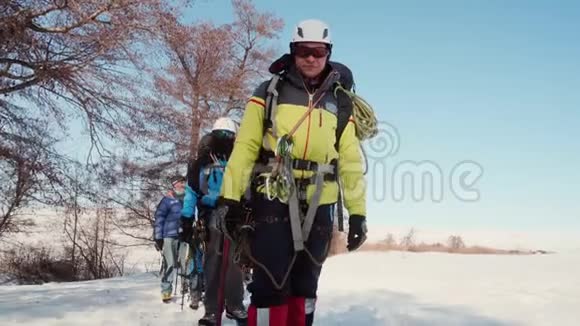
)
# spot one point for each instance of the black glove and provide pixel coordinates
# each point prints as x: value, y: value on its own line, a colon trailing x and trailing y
x: 186, y: 229
x: 227, y: 216
x: 159, y: 244
x: 200, y: 232
x: 357, y: 232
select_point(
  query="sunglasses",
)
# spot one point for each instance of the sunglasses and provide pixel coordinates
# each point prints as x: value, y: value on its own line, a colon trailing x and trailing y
x: 305, y: 52
x: 225, y: 134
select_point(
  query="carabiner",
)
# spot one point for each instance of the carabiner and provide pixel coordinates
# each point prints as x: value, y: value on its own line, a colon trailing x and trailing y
x: 268, y: 188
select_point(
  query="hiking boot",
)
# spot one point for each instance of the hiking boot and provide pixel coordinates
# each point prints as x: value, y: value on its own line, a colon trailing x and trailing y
x: 166, y: 297
x: 240, y: 314
x: 195, y: 299
x: 208, y: 319
x: 247, y: 276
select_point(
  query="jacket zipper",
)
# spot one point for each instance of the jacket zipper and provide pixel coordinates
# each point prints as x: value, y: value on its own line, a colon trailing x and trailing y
x: 310, y: 99
x: 330, y: 77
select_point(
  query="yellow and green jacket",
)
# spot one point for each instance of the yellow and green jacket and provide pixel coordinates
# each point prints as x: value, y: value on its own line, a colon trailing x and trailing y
x: 314, y: 140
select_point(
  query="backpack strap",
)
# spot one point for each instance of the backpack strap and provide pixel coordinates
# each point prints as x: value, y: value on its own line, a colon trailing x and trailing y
x: 271, y: 108
x: 203, y: 180
x: 205, y: 174
x: 343, y: 114
x: 271, y: 101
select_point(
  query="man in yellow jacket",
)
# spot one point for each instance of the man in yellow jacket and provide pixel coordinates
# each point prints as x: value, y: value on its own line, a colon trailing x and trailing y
x: 293, y: 134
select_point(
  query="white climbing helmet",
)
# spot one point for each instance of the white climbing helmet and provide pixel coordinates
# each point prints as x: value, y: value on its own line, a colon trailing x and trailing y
x: 312, y: 30
x: 225, y: 123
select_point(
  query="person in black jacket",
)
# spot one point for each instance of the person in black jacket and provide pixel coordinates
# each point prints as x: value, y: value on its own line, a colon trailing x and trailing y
x: 205, y: 176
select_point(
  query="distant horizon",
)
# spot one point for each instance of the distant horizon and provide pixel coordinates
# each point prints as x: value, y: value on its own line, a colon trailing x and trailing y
x: 560, y: 240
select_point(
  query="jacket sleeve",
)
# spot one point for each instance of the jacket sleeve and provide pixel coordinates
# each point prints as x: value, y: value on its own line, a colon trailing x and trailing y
x: 214, y: 182
x: 246, y: 148
x: 160, y: 216
x: 189, y: 203
x: 351, y: 171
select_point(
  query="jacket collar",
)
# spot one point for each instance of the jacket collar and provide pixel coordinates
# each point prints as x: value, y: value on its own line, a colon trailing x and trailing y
x: 296, y: 79
x: 285, y: 66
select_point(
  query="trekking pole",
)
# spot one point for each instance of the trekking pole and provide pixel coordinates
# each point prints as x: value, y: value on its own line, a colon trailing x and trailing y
x: 223, y: 271
x: 182, y: 292
x: 184, y: 280
x: 183, y: 287
x: 161, y: 266
x: 176, y: 271
x: 176, y: 268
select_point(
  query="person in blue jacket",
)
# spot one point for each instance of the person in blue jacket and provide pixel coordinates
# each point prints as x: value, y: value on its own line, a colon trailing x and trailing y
x: 166, y: 232
x: 205, y: 176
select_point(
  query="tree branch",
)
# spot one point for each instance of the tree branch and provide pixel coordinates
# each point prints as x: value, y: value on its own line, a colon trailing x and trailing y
x: 65, y: 29
x: 19, y: 86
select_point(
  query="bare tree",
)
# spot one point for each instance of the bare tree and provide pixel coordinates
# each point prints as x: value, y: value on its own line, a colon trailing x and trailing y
x: 455, y: 242
x: 64, y: 61
x: 390, y: 241
x: 74, y: 57
x: 209, y: 71
x: 30, y: 171
x: 91, y: 61
x: 97, y: 257
x: 408, y: 241
x: 75, y: 206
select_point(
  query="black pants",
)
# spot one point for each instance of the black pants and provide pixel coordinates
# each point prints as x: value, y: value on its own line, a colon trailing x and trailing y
x: 212, y: 265
x: 272, y: 246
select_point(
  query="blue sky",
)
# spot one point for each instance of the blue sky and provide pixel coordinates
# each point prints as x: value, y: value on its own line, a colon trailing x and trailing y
x: 494, y: 82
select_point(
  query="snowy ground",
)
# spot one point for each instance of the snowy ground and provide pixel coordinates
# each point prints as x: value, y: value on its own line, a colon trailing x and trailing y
x: 356, y: 289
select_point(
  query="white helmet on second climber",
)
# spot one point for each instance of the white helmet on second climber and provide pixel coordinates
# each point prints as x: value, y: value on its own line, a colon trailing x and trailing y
x: 225, y: 124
